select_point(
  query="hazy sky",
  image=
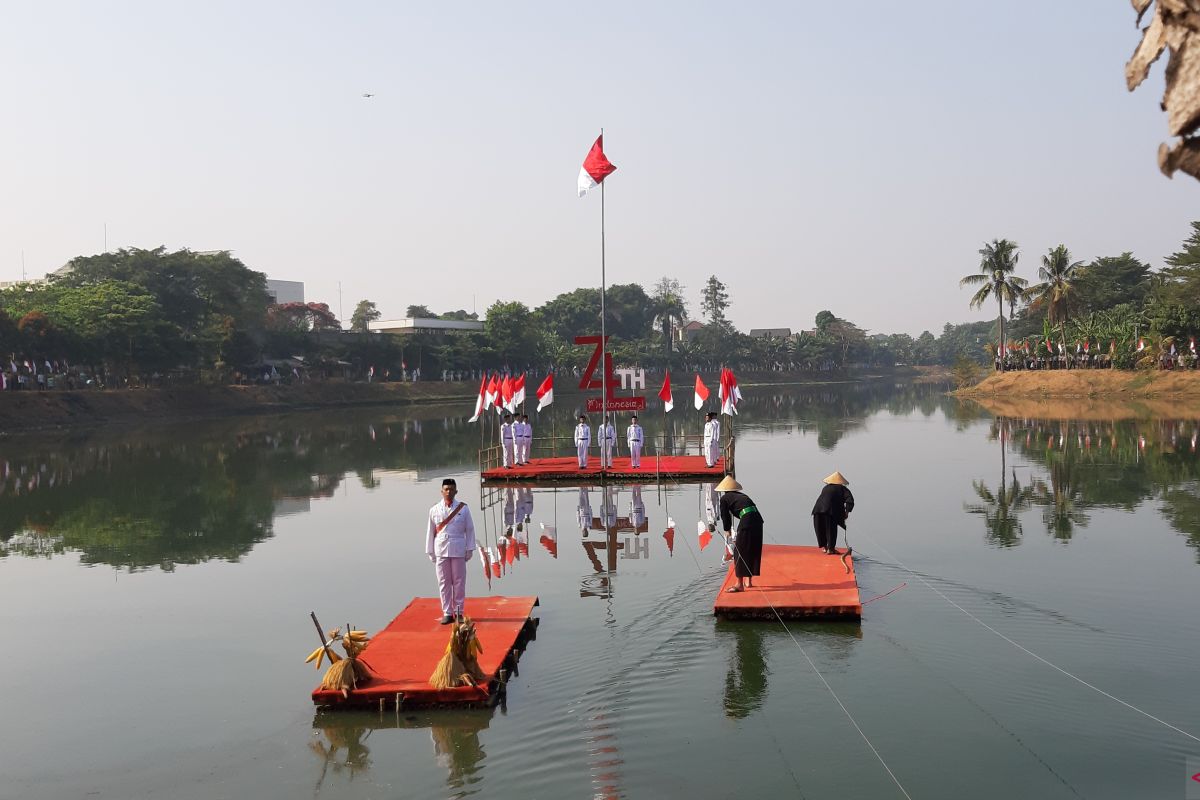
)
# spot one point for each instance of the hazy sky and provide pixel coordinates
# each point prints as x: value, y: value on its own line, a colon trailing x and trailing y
x: 843, y: 156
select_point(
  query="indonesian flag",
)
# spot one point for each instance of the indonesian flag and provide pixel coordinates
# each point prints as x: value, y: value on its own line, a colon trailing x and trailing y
x: 1087, y: 345
x: 1049, y: 347
x: 506, y: 394
x: 1112, y: 346
x: 705, y: 536
x: 518, y: 388
x: 545, y: 392
x: 596, y: 167
x: 1061, y: 348
x: 664, y: 393
x: 1141, y: 345
x: 1025, y: 347
x: 549, y: 539
x: 701, y: 393
x: 669, y: 535
x: 729, y: 392
x: 1078, y: 347
x: 479, y: 401
x: 492, y: 392
x: 1193, y: 345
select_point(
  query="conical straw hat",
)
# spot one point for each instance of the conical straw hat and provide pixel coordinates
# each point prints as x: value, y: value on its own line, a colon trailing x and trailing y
x: 728, y: 484
x: 837, y: 478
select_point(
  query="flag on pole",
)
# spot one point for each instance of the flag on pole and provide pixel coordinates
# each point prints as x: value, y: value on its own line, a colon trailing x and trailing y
x: 545, y: 392
x: 1193, y: 345
x: 518, y: 387
x: 1087, y: 345
x: 479, y: 401
x: 1141, y: 344
x: 492, y: 392
x: 664, y: 393
x: 506, y: 395
x: 596, y: 167
x: 729, y: 392
x: 701, y: 393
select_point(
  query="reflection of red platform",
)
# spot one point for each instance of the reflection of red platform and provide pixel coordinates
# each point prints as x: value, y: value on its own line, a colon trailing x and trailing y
x: 567, y: 469
x: 404, y: 654
x: 798, y: 582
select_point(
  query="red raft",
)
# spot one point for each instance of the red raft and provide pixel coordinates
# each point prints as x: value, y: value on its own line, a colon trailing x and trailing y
x: 567, y: 469
x: 403, y: 655
x: 796, y: 583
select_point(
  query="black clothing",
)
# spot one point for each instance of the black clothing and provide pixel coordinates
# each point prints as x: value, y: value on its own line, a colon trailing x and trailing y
x: 829, y: 512
x: 747, y: 547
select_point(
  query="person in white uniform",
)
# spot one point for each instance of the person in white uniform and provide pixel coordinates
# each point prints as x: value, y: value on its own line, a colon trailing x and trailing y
x: 508, y: 440
x: 584, y: 510
x: 637, y: 508
x: 526, y: 443
x: 712, y: 439
x: 606, y: 440
x: 634, y: 438
x: 450, y: 543
x: 583, y: 441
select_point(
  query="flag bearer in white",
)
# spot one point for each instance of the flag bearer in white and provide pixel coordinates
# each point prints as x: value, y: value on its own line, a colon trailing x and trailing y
x: 450, y: 543
x: 584, y: 510
x: 583, y: 441
x: 637, y: 507
x: 712, y: 439
x: 634, y: 438
x: 526, y: 439
x: 507, y: 440
x: 606, y: 439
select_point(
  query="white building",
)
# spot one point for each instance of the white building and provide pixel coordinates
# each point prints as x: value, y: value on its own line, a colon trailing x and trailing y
x: 285, y: 291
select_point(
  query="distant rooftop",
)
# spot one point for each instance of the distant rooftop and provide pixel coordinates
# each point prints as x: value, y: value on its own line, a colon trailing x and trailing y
x: 419, y: 324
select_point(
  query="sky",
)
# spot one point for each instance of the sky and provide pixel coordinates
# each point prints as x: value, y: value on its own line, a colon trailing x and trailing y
x: 844, y: 156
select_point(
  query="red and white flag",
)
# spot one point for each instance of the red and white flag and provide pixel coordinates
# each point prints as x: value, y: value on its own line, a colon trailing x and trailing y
x: 729, y: 392
x: 664, y: 394
x: 545, y: 392
x: 1193, y: 345
x: 596, y: 167
x: 506, y: 395
x: 479, y: 401
x: 518, y: 387
x: 492, y: 392
x: 701, y: 393
x: 1141, y: 345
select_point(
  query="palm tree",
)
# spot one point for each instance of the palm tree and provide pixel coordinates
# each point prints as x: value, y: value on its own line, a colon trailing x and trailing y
x: 1057, y: 289
x: 669, y: 310
x: 999, y: 260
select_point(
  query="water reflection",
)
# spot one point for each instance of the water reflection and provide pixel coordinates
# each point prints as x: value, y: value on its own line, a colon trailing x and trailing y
x: 344, y: 753
x: 1083, y: 464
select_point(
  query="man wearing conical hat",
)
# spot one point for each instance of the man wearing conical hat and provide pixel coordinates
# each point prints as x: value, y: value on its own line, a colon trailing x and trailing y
x: 833, y: 505
x: 747, y: 545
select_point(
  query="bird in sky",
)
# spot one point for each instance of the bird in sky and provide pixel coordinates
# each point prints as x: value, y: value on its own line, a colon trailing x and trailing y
x: 367, y: 94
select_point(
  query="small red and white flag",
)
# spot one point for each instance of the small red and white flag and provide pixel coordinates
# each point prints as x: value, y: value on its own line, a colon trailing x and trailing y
x: 506, y: 395
x: 664, y: 394
x: 479, y: 401
x: 492, y: 392
x: 704, y: 534
x: 545, y: 392
x: 518, y: 387
x: 701, y: 393
x: 1141, y: 345
x: 729, y: 392
x: 596, y: 167
x: 1193, y: 345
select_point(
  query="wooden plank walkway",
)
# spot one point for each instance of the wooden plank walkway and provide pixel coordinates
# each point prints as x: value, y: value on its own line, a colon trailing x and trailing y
x: 798, y: 583
x: 567, y: 469
x: 404, y: 654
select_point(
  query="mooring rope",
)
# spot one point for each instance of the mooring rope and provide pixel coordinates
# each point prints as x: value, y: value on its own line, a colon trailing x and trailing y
x: 1029, y: 652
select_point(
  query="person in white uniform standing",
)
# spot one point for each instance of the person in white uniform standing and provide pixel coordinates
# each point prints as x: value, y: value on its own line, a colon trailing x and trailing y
x: 634, y: 438
x: 712, y: 439
x: 526, y: 439
x: 583, y: 441
x: 508, y: 440
x: 606, y: 439
x: 450, y: 543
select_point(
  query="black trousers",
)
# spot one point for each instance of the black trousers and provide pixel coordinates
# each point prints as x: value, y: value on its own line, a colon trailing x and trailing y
x: 826, y: 528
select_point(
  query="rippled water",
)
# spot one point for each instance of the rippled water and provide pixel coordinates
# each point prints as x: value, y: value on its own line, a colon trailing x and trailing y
x: 155, y: 590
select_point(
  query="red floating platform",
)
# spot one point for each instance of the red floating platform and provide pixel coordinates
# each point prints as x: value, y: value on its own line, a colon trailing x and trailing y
x: 404, y: 654
x: 798, y: 583
x: 567, y: 469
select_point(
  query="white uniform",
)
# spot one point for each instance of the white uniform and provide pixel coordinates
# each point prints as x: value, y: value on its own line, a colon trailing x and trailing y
x: 637, y: 508
x: 634, y: 438
x: 526, y: 443
x: 712, y: 442
x: 450, y: 550
x: 507, y: 442
x: 606, y: 440
x: 583, y: 441
x: 524, y: 505
x: 608, y: 507
x: 585, y: 510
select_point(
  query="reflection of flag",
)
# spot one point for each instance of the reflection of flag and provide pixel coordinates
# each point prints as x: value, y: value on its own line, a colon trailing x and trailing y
x: 596, y: 167
x: 549, y: 539
x: 701, y: 393
x: 669, y: 535
x: 664, y: 393
x: 705, y: 536
x: 479, y: 401
x: 545, y: 392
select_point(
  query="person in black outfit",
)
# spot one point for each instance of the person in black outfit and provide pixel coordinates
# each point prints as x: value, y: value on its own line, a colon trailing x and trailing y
x: 833, y: 505
x: 747, y: 545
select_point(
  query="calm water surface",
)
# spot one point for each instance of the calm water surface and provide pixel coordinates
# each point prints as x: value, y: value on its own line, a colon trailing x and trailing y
x: 155, y: 589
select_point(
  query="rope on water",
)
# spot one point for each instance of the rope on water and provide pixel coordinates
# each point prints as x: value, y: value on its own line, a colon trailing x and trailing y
x: 1029, y: 652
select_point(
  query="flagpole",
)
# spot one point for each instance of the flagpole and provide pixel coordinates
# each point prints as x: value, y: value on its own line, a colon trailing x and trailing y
x: 603, y: 337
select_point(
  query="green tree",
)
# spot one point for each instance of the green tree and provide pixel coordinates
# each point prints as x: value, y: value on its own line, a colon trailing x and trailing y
x: 715, y: 301
x: 419, y: 312
x: 1056, y: 292
x: 995, y: 278
x: 364, y: 314
x: 513, y: 334
x: 669, y: 309
x: 1181, y: 276
x: 1111, y: 281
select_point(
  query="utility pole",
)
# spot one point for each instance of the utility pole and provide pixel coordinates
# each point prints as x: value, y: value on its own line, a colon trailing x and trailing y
x: 340, y: 315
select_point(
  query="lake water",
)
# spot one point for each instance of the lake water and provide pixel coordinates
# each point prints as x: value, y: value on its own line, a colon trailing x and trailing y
x: 155, y: 587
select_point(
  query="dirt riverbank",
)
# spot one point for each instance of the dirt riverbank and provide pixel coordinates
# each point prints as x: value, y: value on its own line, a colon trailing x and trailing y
x: 1088, y: 394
